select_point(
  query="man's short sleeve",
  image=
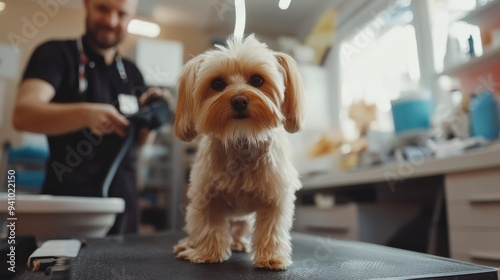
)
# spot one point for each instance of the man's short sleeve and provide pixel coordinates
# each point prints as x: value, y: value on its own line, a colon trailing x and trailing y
x: 47, y: 63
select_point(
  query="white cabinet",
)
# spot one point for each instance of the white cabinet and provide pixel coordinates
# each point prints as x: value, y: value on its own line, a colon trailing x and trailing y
x: 318, y: 112
x: 160, y: 61
x: 473, y: 206
x: 9, y: 61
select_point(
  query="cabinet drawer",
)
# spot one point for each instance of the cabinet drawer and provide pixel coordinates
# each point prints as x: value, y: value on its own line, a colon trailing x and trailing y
x: 335, y: 233
x: 480, y: 186
x: 475, y: 245
x: 339, y: 219
x: 474, y: 215
x: 467, y: 258
x: 375, y: 223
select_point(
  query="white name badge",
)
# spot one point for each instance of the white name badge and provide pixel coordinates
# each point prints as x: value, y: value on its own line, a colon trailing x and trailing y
x: 128, y: 104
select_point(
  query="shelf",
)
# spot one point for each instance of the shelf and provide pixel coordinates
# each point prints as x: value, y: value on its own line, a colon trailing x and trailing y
x: 156, y: 185
x: 484, y: 15
x: 489, y: 57
x: 164, y: 164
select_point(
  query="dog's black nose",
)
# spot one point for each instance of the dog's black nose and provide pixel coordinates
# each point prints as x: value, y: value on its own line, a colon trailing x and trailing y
x: 239, y: 103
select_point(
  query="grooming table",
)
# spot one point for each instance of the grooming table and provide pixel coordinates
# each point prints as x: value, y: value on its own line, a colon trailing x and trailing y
x: 151, y: 257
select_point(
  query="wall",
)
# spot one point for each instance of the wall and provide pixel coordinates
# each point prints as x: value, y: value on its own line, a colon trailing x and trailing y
x: 15, y: 22
x: 194, y: 41
x: 63, y: 22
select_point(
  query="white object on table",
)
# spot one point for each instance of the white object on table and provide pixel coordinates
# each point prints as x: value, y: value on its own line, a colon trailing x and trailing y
x: 55, y: 249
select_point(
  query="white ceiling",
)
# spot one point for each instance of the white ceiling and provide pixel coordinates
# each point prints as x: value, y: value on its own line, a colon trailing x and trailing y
x: 217, y: 16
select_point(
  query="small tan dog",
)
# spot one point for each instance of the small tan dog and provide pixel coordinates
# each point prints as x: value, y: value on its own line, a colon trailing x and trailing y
x: 242, y: 98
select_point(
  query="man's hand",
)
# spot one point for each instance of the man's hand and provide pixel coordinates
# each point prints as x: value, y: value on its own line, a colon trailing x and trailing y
x: 145, y: 135
x: 105, y: 119
x: 155, y: 93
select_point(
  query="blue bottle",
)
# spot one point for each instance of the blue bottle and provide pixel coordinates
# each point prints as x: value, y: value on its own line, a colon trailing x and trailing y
x: 485, y: 120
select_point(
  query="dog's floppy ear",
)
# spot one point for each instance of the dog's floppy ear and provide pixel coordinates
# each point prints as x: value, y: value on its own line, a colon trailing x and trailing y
x: 294, y: 105
x: 184, y: 126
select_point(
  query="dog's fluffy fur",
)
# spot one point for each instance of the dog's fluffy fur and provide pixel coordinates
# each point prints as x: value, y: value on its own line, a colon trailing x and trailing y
x: 242, y: 178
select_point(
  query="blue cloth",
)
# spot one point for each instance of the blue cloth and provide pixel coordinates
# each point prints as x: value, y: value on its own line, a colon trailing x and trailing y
x: 29, y: 163
x: 30, y: 180
x: 28, y: 155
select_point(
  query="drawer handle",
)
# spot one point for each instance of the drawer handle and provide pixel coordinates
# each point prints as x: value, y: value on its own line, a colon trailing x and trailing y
x: 329, y: 229
x: 485, y: 256
x: 484, y: 199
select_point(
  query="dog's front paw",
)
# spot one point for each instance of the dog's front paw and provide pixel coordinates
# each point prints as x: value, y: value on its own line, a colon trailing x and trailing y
x: 182, y: 245
x: 180, y: 248
x: 240, y: 245
x: 198, y: 256
x: 273, y: 262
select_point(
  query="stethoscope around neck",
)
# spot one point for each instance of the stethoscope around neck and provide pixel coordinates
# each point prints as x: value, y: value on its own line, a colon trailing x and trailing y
x: 82, y: 77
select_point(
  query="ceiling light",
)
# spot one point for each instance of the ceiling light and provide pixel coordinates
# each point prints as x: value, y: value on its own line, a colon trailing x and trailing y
x: 2, y: 6
x: 284, y: 4
x: 239, y: 26
x: 143, y: 28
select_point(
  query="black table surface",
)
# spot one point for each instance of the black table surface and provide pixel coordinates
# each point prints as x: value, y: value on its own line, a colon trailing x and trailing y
x: 314, y: 257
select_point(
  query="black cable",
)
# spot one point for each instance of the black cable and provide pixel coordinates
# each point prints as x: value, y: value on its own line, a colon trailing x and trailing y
x: 129, y: 139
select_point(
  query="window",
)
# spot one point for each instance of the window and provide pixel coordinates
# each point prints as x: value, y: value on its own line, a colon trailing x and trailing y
x: 377, y: 63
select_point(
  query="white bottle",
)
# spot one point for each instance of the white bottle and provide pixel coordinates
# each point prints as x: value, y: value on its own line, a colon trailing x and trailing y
x: 454, y: 54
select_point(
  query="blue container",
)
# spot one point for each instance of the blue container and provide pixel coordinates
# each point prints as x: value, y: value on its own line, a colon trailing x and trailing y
x: 411, y: 114
x: 484, y: 116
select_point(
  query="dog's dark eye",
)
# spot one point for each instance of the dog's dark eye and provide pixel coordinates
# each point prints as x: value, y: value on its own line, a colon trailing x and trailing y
x: 256, y: 81
x: 218, y: 84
